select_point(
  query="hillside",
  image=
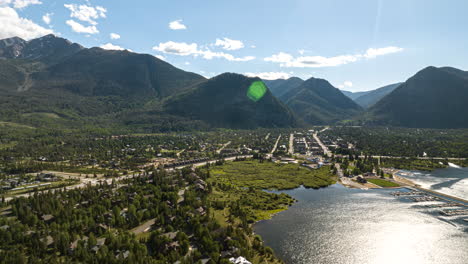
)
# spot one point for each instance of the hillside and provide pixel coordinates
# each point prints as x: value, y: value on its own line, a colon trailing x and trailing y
x: 432, y: 98
x: 316, y: 102
x: 281, y: 86
x: 223, y: 101
x: 371, y: 97
x: 51, y: 82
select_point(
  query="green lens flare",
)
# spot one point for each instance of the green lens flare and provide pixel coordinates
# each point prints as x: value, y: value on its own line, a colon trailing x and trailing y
x: 256, y: 91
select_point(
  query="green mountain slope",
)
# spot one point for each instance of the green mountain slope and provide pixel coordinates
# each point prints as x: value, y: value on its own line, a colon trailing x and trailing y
x: 316, y: 101
x: 223, y: 102
x: 433, y: 98
x: 51, y: 82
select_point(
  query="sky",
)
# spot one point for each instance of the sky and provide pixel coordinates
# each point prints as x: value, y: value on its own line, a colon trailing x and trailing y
x: 356, y: 45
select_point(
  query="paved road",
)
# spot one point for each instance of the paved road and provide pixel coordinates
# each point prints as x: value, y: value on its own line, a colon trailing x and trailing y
x: 291, y: 144
x: 326, y: 151
x: 225, y: 145
x: 276, y: 144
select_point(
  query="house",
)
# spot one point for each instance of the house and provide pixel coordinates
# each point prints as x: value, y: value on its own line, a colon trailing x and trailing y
x: 47, y: 217
x: 239, y: 260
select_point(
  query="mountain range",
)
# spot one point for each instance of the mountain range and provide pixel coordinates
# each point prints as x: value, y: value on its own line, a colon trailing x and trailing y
x: 54, y: 83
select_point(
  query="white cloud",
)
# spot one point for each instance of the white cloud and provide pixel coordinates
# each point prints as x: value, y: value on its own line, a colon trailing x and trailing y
x: 177, y: 48
x: 346, y: 84
x: 185, y: 49
x: 5, y: 2
x: 269, y: 75
x: 24, y: 3
x: 372, y: 53
x: 177, y: 25
x: 86, y: 13
x: 79, y: 28
x: 280, y: 58
x: 15, y: 26
x: 110, y: 46
x: 114, y: 36
x: 46, y: 18
x: 161, y: 57
x: 229, y: 44
x: 287, y: 60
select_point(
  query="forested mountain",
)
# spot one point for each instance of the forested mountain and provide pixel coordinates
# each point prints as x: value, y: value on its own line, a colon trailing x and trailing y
x: 316, y: 101
x: 281, y: 86
x: 51, y: 82
x: 433, y: 98
x: 371, y: 97
x: 223, y: 102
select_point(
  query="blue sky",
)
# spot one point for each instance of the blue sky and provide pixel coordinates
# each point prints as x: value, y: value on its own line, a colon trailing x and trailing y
x: 358, y: 45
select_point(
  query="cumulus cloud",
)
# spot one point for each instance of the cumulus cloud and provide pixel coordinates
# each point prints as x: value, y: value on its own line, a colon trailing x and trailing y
x: 15, y: 26
x: 177, y: 25
x: 110, y: 46
x: 86, y: 13
x: 346, y: 84
x: 114, y: 36
x: 46, y: 18
x: 287, y: 60
x: 269, y: 75
x: 185, y: 49
x: 372, y: 53
x: 177, y: 48
x: 79, y: 28
x: 5, y: 2
x: 24, y: 3
x: 229, y: 44
x: 280, y: 58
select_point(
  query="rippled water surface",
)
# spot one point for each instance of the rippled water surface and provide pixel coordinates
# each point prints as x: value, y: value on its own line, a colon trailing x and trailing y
x: 451, y: 181
x: 340, y: 225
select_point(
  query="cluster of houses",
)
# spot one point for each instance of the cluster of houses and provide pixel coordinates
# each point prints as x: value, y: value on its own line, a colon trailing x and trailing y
x: 15, y: 183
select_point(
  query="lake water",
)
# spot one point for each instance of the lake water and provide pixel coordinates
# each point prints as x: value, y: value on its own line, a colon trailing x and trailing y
x: 341, y: 225
x: 451, y: 181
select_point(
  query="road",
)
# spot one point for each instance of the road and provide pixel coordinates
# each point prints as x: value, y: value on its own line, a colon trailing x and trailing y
x: 276, y: 144
x: 291, y: 144
x: 221, y: 149
x: 326, y: 151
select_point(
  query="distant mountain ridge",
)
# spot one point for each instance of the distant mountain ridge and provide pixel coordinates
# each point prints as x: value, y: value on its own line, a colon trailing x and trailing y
x: 281, y: 86
x: 354, y: 95
x: 372, y: 97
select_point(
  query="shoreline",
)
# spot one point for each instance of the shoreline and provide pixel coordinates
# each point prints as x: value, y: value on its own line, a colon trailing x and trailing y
x: 418, y: 187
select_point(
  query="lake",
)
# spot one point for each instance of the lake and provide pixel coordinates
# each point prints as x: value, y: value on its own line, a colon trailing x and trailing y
x: 342, y: 225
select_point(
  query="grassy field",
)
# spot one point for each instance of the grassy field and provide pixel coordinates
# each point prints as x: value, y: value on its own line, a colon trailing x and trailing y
x: 238, y: 188
x: 383, y: 183
x: 269, y: 175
